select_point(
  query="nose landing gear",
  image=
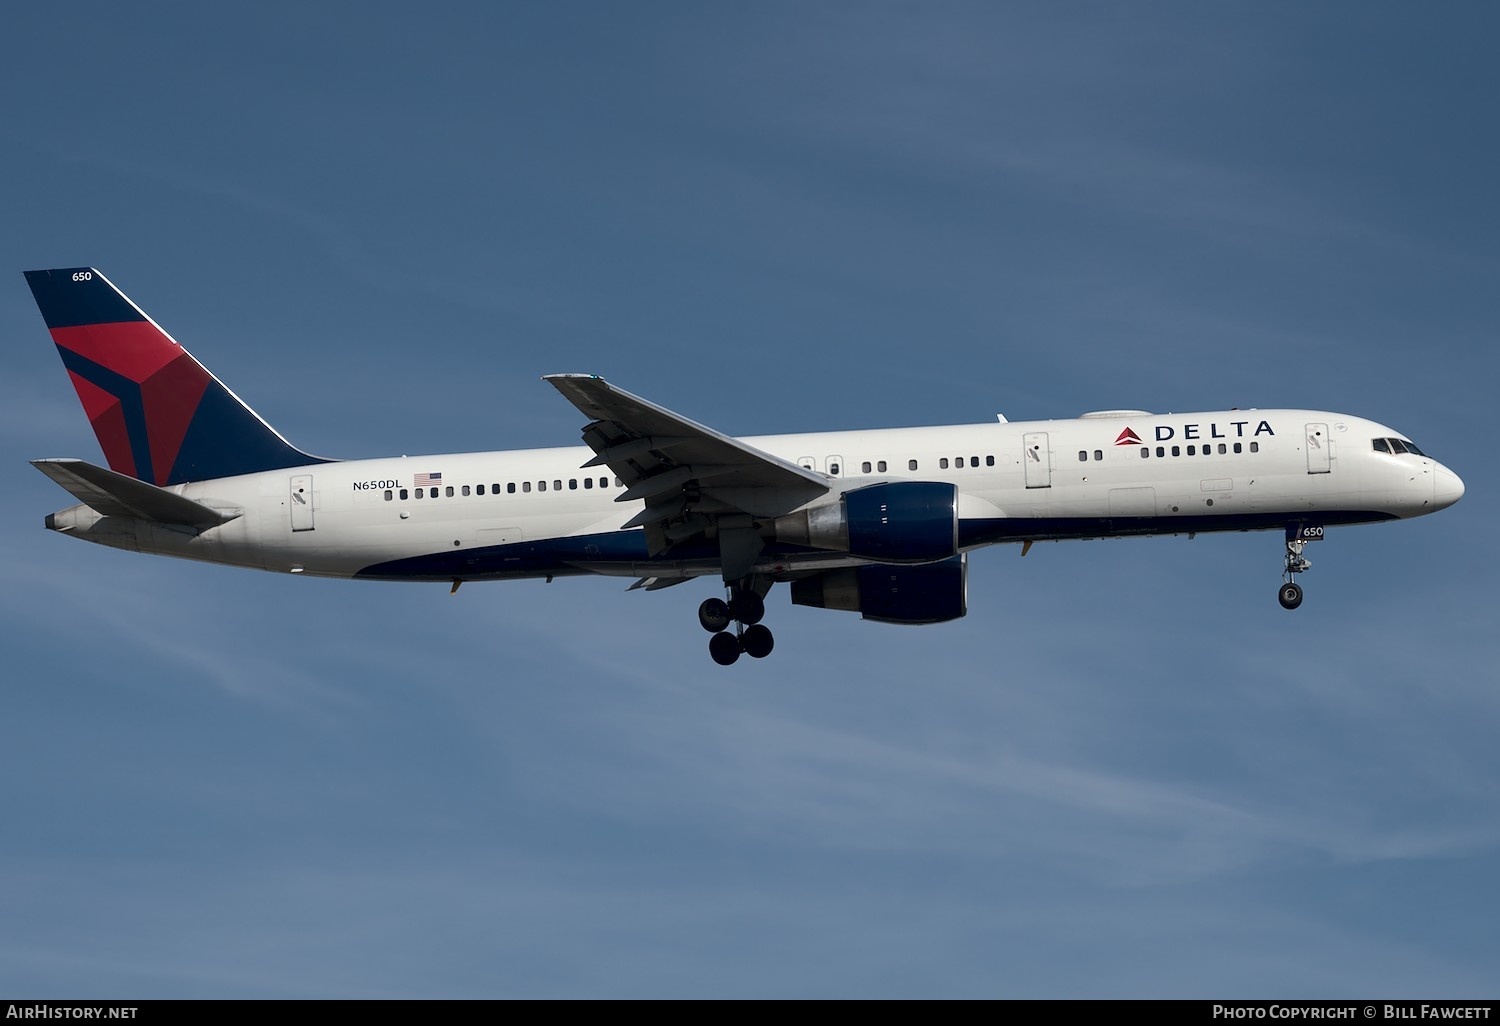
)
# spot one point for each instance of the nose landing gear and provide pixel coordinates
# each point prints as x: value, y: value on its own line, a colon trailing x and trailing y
x: 1297, y: 537
x: 746, y: 608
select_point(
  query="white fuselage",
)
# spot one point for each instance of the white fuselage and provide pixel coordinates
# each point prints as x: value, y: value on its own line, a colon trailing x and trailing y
x: 534, y: 512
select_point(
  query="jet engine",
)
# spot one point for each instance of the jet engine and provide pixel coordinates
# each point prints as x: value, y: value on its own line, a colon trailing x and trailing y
x: 929, y: 593
x: 895, y: 522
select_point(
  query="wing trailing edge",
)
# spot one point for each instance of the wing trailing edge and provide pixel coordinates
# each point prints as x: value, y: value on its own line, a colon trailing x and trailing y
x: 646, y: 444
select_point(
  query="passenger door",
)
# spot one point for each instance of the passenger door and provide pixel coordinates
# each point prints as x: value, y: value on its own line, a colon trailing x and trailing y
x: 301, y: 502
x: 1038, y: 459
x: 1319, y: 449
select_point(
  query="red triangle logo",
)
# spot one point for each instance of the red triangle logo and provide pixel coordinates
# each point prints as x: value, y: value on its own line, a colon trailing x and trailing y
x: 1128, y: 437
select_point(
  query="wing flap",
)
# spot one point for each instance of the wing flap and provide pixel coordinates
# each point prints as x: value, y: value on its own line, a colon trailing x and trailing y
x: 658, y: 583
x: 116, y: 495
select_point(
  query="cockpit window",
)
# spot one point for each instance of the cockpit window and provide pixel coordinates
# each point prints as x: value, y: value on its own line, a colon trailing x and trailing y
x: 1397, y: 446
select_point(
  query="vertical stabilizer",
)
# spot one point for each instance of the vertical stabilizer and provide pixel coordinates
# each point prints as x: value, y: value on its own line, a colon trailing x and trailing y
x: 160, y: 416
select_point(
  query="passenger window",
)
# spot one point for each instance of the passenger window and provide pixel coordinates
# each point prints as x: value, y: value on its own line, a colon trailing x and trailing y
x: 1145, y: 452
x: 541, y: 486
x: 1082, y: 455
x: 617, y: 482
x: 1192, y: 450
x: 388, y: 495
x: 864, y: 467
x: 911, y: 464
x: 572, y: 484
x: 880, y: 466
x: 1098, y: 454
x: 588, y: 482
x: 989, y: 461
x: 449, y: 492
x: 510, y: 488
x: 833, y: 468
x: 416, y: 493
x: 1176, y: 450
x: 403, y: 495
x: 943, y: 463
x: 466, y: 489
x: 479, y: 489
x: 1255, y: 447
x: 432, y: 493
x: 556, y: 486
x: 1222, y: 449
x: 1161, y: 451
x: 1238, y: 447
x: 973, y: 461
x: 526, y: 487
x: 604, y: 482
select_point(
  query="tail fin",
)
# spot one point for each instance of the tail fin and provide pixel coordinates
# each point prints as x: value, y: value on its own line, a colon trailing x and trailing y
x: 160, y: 416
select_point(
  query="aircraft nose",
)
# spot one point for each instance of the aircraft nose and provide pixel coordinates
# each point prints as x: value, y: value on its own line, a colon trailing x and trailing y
x: 1447, y: 488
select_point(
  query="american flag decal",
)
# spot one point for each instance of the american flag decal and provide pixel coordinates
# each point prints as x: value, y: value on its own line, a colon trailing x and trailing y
x: 425, y: 480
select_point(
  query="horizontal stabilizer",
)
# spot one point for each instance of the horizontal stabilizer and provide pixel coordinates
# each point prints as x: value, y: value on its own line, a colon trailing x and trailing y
x: 116, y: 495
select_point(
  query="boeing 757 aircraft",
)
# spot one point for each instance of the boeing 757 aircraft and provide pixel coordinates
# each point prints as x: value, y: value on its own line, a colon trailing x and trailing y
x: 878, y: 522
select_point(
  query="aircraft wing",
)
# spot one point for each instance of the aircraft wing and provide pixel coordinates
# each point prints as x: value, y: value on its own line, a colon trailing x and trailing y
x: 116, y: 495
x: 685, y: 472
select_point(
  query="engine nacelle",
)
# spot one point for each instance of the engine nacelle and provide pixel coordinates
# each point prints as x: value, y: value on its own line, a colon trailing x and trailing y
x: 895, y: 522
x: 930, y: 593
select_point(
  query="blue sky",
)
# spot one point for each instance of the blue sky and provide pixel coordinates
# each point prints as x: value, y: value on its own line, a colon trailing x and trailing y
x: 1127, y: 772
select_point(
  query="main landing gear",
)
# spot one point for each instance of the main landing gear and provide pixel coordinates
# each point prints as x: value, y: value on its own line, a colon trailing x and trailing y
x: 745, y: 608
x: 1290, y: 594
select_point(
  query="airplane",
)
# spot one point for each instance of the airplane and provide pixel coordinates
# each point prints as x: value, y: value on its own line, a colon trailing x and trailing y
x: 878, y: 522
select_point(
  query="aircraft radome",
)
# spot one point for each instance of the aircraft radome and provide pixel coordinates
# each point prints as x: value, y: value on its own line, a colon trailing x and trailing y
x: 878, y: 522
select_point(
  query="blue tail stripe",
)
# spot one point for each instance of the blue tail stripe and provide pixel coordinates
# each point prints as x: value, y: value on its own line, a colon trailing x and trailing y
x: 225, y: 439
x: 68, y: 300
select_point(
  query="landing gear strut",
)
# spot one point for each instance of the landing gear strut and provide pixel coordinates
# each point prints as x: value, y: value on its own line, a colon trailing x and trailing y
x: 1290, y: 594
x: 746, y: 608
